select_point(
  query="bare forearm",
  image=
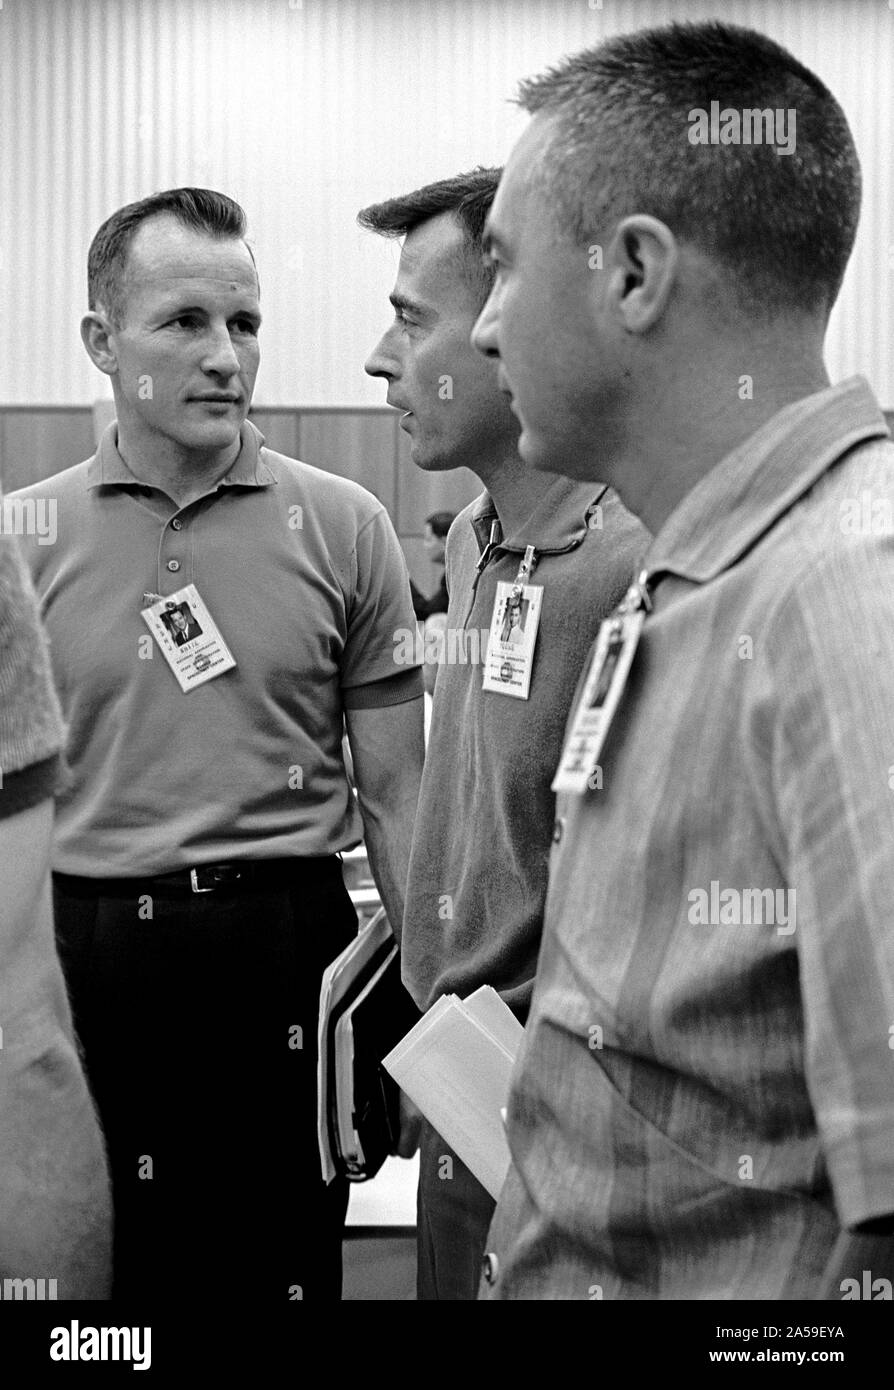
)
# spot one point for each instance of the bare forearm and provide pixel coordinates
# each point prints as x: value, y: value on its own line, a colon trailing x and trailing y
x: 389, y: 834
x: 388, y: 748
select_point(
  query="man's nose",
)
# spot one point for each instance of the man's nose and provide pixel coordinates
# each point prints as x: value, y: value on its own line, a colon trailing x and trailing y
x: 221, y: 357
x: 379, y: 362
x: 484, y: 332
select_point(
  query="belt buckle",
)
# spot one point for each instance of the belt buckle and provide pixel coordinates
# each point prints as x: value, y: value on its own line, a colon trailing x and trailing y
x: 193, y: 878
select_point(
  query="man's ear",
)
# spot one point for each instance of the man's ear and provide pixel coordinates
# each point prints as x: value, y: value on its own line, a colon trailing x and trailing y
x: 98, y: 337
x: 643, y: 266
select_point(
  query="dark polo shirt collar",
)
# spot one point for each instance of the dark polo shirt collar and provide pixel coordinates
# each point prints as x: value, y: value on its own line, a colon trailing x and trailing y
x: 753, y: 486
x: 107, y: 467
x: 557, y: 524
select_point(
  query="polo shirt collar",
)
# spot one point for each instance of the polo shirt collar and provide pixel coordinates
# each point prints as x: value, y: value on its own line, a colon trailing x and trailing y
x: 558, y: 523
x: 743, y: 495
x: 248, y: 468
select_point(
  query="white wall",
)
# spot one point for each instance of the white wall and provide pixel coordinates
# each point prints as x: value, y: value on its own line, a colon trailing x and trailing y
x: 305, y: 110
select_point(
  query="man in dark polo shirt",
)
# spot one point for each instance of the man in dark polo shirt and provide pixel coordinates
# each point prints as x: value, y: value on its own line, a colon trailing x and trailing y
x: 478, y: 868
x: 198, y: 892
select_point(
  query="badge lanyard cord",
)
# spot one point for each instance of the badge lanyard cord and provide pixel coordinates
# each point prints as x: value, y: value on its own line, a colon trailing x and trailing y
x: 484, y: 557
x: 525, y: 568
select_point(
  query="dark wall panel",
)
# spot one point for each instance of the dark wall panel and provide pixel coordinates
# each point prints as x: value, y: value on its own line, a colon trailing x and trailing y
x: 280, y: 430
x: 355, y: 444
x: 419, y: 493
x: 35, y: 443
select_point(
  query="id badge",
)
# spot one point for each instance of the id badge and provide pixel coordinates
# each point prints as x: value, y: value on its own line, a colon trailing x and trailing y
x: 602, y: 690
x: 189, y: 638
x: 513, y: 636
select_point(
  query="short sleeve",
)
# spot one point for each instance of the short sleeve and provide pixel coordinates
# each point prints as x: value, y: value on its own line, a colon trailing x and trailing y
x: 31, y: 728
x: 831, y: 752
x: 381, y: 623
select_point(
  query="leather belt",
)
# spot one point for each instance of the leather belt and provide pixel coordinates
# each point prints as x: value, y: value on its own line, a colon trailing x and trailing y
x: 232, y: 876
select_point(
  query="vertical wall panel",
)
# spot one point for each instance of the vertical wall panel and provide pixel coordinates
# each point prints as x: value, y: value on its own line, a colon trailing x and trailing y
x: 35, y: 444
x: 420, y: 494
x: 354, y: 444
x: 305, y: 110
x: 280, y: 430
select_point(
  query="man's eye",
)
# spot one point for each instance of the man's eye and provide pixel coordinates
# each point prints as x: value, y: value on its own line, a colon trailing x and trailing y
x: 247, y: 326
x: 184, y: 321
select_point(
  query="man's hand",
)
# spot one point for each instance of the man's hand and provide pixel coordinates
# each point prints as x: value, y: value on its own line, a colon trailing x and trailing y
x: 410, y: 1127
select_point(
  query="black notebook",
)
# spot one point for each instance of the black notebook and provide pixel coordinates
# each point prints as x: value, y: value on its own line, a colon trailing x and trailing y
x: 364, y: 1011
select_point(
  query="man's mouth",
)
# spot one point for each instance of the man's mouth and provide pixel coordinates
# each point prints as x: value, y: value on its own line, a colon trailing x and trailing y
x: 405, y: 414
x: 215, y: 398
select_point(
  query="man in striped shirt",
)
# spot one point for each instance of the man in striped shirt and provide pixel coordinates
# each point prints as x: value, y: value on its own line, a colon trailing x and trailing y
x: 704, y: 1104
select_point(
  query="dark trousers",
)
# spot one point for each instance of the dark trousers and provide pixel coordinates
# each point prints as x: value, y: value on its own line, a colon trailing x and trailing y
x: 453, y: 1215
x: 198, y: 1029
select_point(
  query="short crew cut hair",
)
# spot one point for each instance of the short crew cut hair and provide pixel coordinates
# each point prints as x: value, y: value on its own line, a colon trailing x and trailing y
x: 782, y: 225
x: 467, y: 196
x: 202, y: 209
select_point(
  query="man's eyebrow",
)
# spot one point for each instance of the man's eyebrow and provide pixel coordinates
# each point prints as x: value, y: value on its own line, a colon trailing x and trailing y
x: 178, y: 308
x: 403, y: 301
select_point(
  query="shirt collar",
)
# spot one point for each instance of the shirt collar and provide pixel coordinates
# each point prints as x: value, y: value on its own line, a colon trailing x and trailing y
x: 743, y: 495
x: 558, y: 523
x: 247, y: 470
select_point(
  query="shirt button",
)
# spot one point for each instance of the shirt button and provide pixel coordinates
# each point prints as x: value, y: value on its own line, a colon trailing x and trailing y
x: 177, y: 524
x: 490, y: 1267
x: 173, y: 565
x: 557, y: 832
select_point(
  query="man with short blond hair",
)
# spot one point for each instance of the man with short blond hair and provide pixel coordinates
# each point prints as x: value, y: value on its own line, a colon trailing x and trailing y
x: 198, y: 886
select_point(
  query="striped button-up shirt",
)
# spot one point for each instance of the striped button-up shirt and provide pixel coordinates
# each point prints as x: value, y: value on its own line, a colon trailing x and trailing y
x: 704, y: 1104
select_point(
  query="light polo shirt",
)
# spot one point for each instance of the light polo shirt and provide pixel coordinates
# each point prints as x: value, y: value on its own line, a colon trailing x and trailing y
x: 305, y: 578
x: 478, y: 865
x: 704, y: 1103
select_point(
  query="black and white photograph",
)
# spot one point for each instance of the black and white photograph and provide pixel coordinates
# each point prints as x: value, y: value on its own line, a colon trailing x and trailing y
x: 446, y: 674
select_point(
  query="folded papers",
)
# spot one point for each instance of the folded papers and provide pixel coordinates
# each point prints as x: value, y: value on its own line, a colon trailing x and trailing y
x: 455, y: 1065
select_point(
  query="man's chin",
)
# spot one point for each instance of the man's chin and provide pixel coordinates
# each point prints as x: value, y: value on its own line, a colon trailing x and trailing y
x: 551, y: 455
x: 433, y: 463
x: 216, y: 434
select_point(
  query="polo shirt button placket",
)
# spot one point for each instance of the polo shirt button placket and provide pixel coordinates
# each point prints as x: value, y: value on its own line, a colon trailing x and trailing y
x: 173, y: 566
x: 177, y: 524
